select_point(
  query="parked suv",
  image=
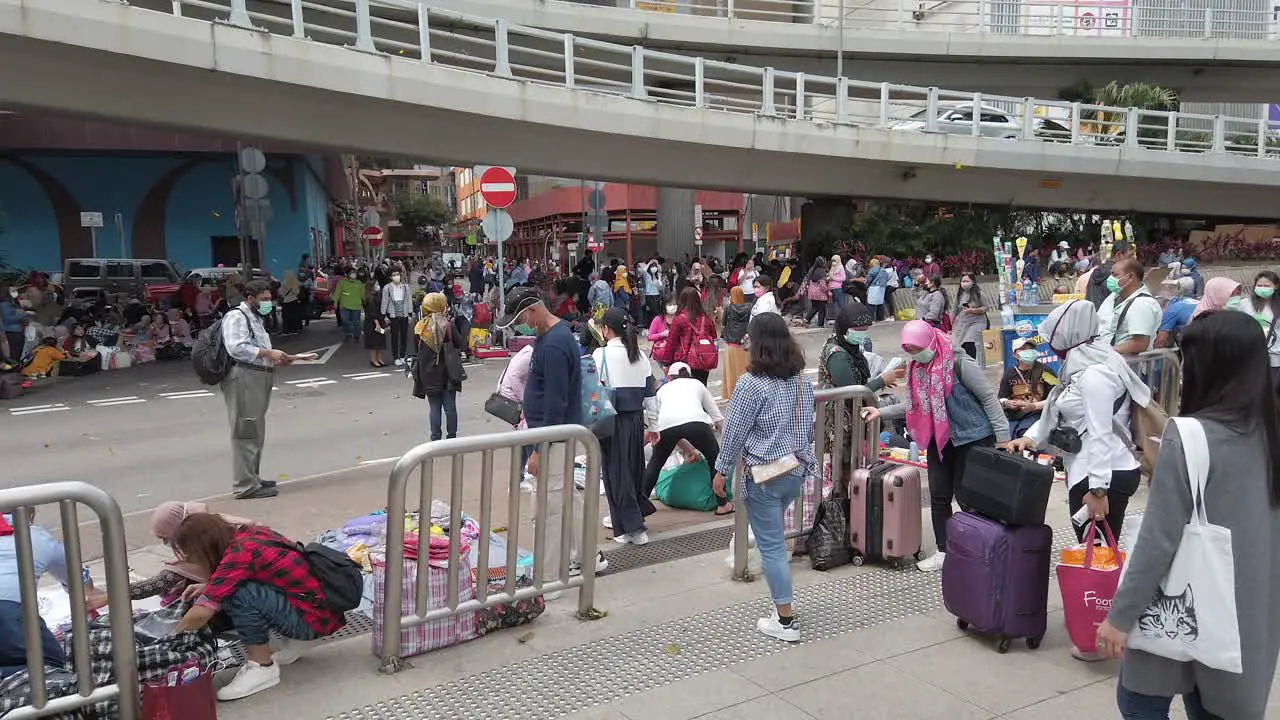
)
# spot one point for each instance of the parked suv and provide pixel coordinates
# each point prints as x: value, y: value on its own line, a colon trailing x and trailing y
x: 87, y: 278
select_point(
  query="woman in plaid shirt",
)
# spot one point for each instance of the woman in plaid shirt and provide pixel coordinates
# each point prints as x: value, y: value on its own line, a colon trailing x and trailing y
x: 263, y: 582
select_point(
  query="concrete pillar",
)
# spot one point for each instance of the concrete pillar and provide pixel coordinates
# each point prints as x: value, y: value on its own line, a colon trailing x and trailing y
x: 675, y: 223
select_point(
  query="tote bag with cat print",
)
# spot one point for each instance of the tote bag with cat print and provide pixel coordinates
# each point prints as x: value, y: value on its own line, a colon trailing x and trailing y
x: 1193, y: 614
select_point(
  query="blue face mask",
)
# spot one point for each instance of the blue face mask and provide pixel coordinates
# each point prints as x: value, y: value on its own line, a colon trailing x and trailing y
x: 855, y: 337
x: 265, y: 307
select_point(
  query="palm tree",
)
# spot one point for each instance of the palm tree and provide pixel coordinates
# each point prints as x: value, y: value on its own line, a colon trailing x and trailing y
x: 1141, y: 96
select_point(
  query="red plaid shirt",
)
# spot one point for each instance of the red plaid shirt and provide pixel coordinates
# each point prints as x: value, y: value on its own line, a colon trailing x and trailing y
x: 253, y: 556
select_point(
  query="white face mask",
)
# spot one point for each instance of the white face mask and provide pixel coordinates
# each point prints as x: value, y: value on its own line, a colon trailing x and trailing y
x: 671, y: 309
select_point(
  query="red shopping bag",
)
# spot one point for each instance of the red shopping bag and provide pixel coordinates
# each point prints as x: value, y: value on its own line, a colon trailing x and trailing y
x: 194, y: 701
x: 1087, y: 591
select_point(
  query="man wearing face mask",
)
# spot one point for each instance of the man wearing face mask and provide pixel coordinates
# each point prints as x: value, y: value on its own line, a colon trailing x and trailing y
x: 247, y: 388
x: 1130, y: 317
x: 348, y: 298
x: 1024, y: 387
x: 397, y: 307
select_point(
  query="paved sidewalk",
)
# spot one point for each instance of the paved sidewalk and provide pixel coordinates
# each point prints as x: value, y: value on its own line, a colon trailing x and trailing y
x: 679, y: 642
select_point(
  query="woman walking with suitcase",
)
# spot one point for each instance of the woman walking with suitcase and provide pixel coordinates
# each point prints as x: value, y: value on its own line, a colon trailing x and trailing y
x: 950, y: 409
x: 769, y: 425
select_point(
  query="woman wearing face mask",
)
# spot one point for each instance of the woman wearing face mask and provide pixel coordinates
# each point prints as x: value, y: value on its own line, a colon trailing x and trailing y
x: 736, y: 318
x: 1093, y: 398
x: 747, y: 278
x: 818, y: 293
x: 843, y: 363
x: 1220, y: 293
x: 627, y: 373
x: 653, y: 291
x: 375, y: 327
x: 972, y: 319
x: 663, y: 352
x: 691, y: 325
x: 950, y: 409
x: 765, y: 301
x: 877, y: 288
x: 348, y: 297
x: 835, y: 283
x: 1264, y: 306
x: 437, y: 374
x: 1024, y: 387
x: 396, y: 309
x: 933, y: 304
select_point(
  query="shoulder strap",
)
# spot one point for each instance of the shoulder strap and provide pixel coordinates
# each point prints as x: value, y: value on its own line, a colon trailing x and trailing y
x: 1115, y: 330
x: 1195, y: 452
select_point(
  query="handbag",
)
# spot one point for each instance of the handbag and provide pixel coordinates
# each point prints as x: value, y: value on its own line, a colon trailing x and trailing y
x: 772, y: 470
x: 1193, y: 615
x: 502, y: 407
x: 1088, y: 589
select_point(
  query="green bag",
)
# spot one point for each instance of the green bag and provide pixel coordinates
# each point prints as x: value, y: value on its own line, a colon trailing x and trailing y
x: 688, y: 486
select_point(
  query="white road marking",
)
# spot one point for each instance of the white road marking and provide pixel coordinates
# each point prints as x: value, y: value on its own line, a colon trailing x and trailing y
x: 308, y: 380
x: 37, y: 409
x: 371, y: 376
x: 379, y: 461
x: 122, y: 401
x: 111, y: 400
x: 186, y: 394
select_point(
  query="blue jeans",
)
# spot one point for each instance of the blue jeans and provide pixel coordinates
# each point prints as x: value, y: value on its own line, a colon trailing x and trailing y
x: 766, y: 505
x: 13, y: 642
x: 1136, y: 706
x: 447, y: 402
x: 350, y: 322
x: 257, y: 608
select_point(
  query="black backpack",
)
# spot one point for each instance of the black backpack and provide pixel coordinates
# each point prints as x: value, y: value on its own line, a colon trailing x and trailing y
x: 209, y: 356
x: 341, y: 579
x: 1096, y: 291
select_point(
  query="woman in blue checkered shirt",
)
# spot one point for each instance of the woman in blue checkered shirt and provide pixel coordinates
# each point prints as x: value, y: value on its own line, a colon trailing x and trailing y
x: 770, y: 420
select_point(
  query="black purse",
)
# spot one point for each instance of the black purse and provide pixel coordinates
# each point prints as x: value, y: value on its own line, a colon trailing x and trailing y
x: 502, y: 407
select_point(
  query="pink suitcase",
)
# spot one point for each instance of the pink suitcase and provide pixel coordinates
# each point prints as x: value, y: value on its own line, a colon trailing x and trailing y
x: 516, y: 343
x: 884, y: 513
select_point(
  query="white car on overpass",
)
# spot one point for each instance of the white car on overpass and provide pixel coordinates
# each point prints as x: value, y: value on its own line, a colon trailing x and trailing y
x: 957, y: 119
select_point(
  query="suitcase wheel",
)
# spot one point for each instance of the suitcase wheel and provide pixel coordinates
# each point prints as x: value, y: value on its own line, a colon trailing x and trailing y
x: 962, y: 624
x: 858, y: 560
x: 919, y: 556
x: 1034, y: 643
x: 1003, y: 647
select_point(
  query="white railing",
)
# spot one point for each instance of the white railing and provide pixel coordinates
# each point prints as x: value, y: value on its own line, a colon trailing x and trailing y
x: 999, y: 17
x: 498, y: 48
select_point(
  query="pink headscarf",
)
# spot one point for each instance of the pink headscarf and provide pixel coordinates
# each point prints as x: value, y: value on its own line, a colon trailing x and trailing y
x: 1217, y: 291
x: 165, y: 520
x: 929, y: 385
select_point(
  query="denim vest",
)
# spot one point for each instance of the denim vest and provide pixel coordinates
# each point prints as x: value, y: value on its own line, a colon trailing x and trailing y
x: 969, y: 421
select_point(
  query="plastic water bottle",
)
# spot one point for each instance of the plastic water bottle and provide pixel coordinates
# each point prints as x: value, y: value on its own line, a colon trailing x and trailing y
x: 1033, y: 294
x: 913, y: 452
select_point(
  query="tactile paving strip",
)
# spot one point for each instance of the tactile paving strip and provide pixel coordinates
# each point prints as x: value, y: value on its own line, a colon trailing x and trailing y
x: 599, y: 672
x: 631, y: 557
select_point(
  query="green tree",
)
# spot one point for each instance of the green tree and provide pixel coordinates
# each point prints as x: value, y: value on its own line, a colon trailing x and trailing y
x: 421, y: 214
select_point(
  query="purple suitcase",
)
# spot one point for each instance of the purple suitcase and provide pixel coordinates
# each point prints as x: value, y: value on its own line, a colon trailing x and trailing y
x: 996, y: 578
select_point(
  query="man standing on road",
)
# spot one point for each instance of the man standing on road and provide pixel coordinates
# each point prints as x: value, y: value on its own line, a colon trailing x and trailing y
x: 552, y: 396
x: 247, y: 388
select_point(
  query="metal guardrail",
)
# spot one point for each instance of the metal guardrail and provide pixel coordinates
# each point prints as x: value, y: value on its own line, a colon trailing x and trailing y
x: 863, y: 440
x: 1038, y: 18
x: 1162, y: 371
x: 422, y: 458
x: 21, y: 502
x: 496, y: 47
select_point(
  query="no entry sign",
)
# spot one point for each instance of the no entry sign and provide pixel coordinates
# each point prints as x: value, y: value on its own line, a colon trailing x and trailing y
x: 498, y: 187
x: 372, y: 235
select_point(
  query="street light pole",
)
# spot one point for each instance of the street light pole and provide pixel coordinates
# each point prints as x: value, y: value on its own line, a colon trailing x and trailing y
x: 840, y: 46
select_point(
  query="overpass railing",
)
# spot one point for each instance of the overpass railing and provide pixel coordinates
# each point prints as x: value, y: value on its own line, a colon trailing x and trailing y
x: 1035, y: 18
x: 852, y: 443
x: 21, y: 502
x: 422, y: 459
x: 495, y: 47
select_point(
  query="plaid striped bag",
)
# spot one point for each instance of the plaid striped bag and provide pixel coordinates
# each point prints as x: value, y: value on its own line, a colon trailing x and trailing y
x: 428, y: 636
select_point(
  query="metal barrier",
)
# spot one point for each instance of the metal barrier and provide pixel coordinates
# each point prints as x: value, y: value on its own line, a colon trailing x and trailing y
x: 21, y: 502
x: 422, y: 458
x: 415, y: 31
x: 1162, y: 371
x: 863, y: 444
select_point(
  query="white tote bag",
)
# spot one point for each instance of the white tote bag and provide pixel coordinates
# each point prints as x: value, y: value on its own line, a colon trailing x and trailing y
x: 1193, y: 615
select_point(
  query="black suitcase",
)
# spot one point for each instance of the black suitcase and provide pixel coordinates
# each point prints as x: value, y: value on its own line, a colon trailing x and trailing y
x: 1005, y: 487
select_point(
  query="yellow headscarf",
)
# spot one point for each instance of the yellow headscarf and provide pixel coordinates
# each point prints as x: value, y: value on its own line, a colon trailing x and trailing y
x: 621, y: 280
x: 434, y: 326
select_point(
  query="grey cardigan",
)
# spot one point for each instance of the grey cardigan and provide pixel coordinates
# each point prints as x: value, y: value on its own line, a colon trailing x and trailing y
x: 931, y: 305
x: 391, y: 308
x: 969, y: 372
x: 1236, y: 497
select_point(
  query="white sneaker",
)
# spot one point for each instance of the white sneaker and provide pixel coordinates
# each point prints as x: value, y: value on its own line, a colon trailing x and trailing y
x: 400, y: 362
x: 607, y: 522
x: 286, y: 651
x: 251, y: 680
x: 529, y: 484
x: 774, y: 629
x: 933, y: 563
x: 575, y: 568
x: 640, y: 537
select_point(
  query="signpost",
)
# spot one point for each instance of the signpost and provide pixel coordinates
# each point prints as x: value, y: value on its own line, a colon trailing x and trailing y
x: 697, y: 237
x: 498, y: 187
x: 497, y: 226
x: 93, y: 221
x: 697, y: 216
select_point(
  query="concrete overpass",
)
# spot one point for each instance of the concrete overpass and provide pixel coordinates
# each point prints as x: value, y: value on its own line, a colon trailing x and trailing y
x: 1220, y: 50
x: 678, y: 121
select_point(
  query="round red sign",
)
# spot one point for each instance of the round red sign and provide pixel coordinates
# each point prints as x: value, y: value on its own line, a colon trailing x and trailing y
x: 498, y: 187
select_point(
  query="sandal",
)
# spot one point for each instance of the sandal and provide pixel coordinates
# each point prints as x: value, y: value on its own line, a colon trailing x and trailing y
x: 720, y: 511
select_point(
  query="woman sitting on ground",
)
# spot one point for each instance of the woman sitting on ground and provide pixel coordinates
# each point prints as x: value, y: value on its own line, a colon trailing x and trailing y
x: 45, y: 359
x: 263, y: 583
